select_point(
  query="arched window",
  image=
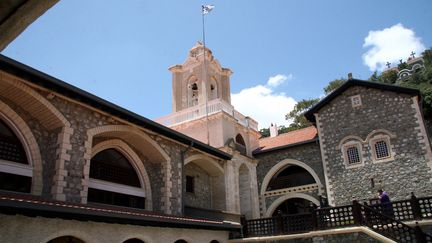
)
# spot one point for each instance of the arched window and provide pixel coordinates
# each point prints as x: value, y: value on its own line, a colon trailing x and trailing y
x: 192, y: 92
x: 291, y: 176
x: 134, y: 240
x: 66, y: 239
x: 380, y: 144
x: 240, y: 144
x: 294, y: 206
x: 213, y: 92
x: 114, y: 181
x: 15, y: 172
x: 239, y: 139
x: 352, y: 151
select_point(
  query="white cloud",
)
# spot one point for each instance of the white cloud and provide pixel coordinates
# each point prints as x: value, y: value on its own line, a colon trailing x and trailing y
x: 263, y: 103
x: 390, y: 45
x: 278, y: 80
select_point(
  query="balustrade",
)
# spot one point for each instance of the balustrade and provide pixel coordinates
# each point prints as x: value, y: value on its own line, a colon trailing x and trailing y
x: 378, y: 218
x: 199, y: 111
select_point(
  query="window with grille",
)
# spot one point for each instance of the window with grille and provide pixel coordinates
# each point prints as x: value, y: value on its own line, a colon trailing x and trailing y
x: 15, y: 172
x: 11, y: 148
x: 190, y: 184
x: 111, y: 165
x: 353, y: 155
x: 113, y: 180
x: 356, y: 101
x: 381, y: 149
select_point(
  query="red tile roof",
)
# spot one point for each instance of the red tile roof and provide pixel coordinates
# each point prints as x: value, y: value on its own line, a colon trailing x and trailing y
x: 289, y: 138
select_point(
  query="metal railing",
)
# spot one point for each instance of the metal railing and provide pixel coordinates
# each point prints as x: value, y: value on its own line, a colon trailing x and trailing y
x: 385, y: 219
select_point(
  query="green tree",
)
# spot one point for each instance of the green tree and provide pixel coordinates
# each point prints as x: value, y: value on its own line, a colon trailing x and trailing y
x: 388, y: 77
x: 375, y: 77
x: 333, y: 85
x: 296, y: 115
x: 265, y: 132
x: 421, y: 80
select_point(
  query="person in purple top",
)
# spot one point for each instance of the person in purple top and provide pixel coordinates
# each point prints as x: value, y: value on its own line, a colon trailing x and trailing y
x: 386, y: 204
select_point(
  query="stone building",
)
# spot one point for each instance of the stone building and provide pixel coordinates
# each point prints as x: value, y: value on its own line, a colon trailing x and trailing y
x: 76, y: 168
x: 202, y: 109
x: 373, y: 136
x: 366, y: 136
x: 89, y: 169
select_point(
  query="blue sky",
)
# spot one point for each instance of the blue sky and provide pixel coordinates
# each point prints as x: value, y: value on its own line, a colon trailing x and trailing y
x: 280, y: 51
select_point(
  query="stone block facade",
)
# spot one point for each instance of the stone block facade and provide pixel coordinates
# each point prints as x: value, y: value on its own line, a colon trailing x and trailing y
x: 307, y: 156
x: 385, y: 114
x: 62, y: 135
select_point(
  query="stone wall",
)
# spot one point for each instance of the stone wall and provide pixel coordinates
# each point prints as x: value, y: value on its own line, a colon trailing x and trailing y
x: 65, y: 159
x: 380, y: 110
x: 42, y: 230
x: 201, y: 197
x: 45, y: 137
x: 308, y: 154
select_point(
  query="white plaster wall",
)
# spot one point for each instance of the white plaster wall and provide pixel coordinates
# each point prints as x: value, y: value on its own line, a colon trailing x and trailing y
x: 22, y: 229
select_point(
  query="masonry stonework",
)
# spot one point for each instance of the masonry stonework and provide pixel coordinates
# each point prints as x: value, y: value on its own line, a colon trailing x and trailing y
x: 380, y: 110
x: 308, y: 153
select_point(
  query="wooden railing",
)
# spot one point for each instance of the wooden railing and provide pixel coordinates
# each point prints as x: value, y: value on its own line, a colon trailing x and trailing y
x: 383, y: 219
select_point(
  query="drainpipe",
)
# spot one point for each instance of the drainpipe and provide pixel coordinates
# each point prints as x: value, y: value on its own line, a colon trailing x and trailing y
x: 183, y: 176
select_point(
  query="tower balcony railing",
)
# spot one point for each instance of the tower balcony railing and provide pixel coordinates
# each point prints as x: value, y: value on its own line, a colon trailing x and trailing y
x: 199, y: 111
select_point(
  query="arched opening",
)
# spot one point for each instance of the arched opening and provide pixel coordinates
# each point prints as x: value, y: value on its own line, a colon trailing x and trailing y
x: 294, y: 206
x: 240, y: 144
x: 245, y: 191
x: 134, y: 240
x: 113, y: 180
x: 15, y: 171
x: 180, y: 241
x: 239, y: 139
x: 192, y: 92
x: 290, y: 176
x: 53, y: 124
x: 205, y: 185
x: 66, y: 239
x: 213, y: 92
x: 214, y: 241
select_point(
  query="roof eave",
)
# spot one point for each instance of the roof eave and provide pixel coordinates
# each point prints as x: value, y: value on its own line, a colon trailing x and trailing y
x: 310, y: 114
x: 258, y: 152
x: 43, y: 80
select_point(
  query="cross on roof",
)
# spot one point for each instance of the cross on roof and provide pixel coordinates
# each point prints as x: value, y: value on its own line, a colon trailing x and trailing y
x: 412, y: 54
x: 388, y: 64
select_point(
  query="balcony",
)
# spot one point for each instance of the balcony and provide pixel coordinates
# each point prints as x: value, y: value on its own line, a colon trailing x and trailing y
x: 199, y: 111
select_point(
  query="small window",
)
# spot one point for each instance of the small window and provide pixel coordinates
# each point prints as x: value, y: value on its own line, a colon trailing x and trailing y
x: 381, y: 150
x: 352, y: 150
x: 353, y: 155
x: 356, y: 101
x: 190, y: 184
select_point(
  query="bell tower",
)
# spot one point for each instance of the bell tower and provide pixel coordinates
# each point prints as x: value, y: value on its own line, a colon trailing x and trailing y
x: 201, y: 104
x: 201, y: 108
x: 199, y: 79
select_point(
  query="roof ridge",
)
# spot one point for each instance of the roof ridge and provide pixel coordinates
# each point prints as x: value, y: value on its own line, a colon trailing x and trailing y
x: 287, y: 133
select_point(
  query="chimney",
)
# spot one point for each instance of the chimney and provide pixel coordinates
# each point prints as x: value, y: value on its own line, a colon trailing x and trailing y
x: 350, y: 76
x: 273, y: 130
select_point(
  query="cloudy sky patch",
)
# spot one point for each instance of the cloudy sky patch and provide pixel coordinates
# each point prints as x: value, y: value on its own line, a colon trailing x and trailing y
x: 263, y: 103
x: 390, y: 45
